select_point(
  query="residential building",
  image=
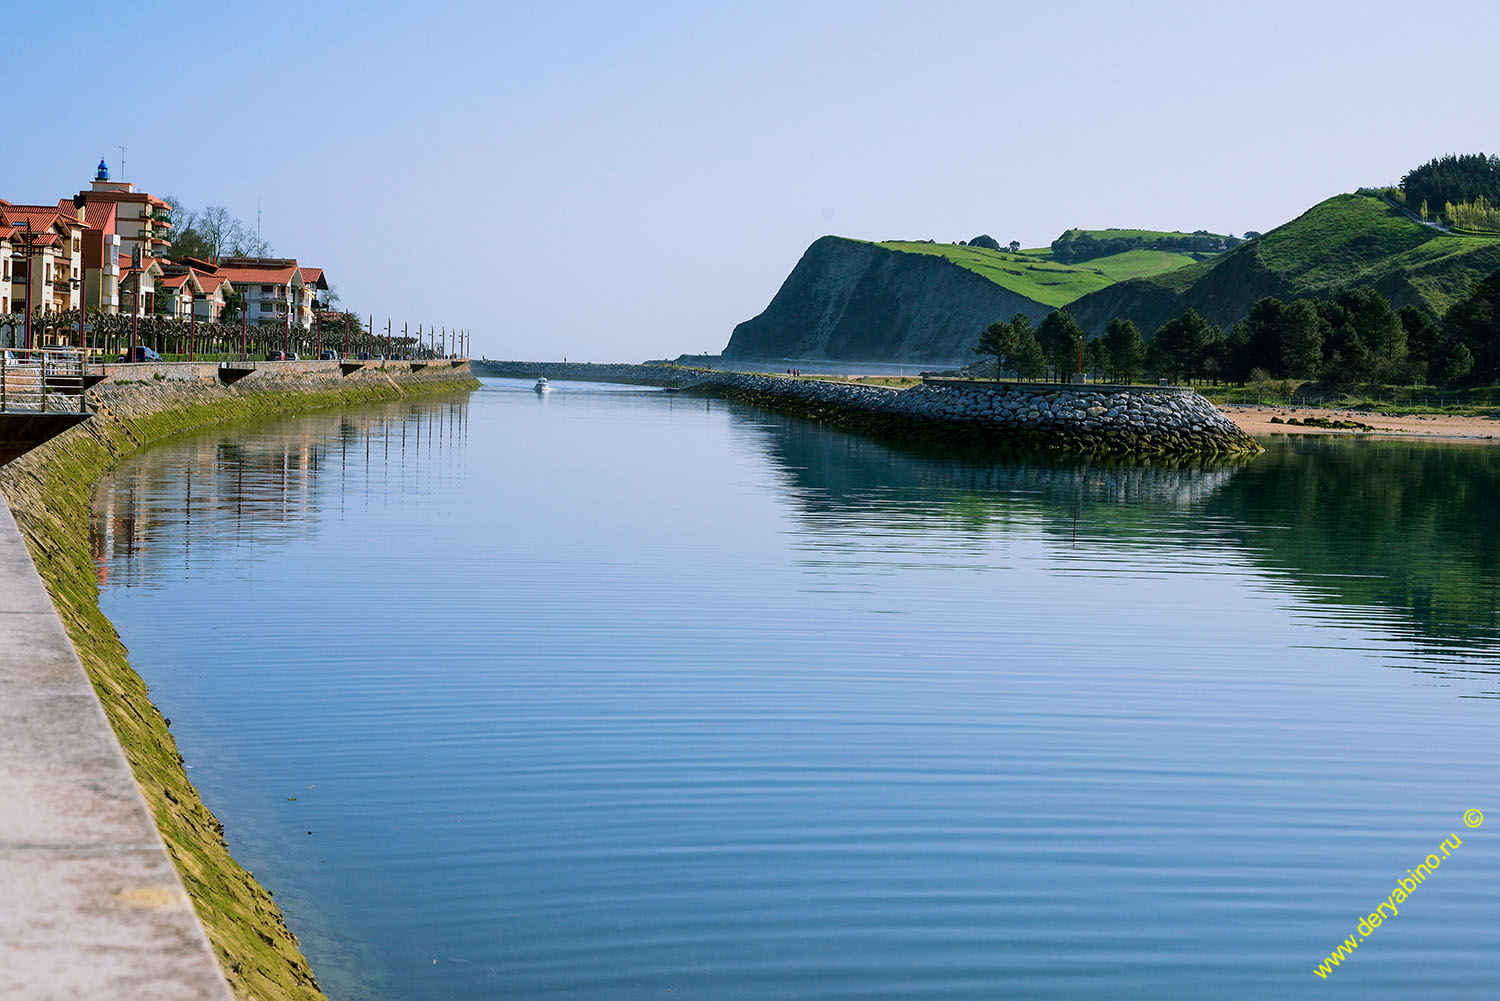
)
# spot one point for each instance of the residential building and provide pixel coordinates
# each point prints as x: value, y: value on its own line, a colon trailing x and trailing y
x: 50, y: 241
x: 101, y: 256
x: 195, y: 288
x: 138, y: 285
x: 273, y: 288
x: 143, y: 222
x: 310, y: 302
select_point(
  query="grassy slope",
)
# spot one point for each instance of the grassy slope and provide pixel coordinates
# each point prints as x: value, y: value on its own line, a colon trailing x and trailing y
x: 50, y: 492
x: 1035, y: 275
x: 1345, y: 241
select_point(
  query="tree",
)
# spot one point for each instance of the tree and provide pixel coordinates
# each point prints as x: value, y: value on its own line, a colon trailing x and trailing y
x: 1303, y: 331
x: 1096, y: 358
x: 1422, y: 336
x: 218, y: 229
x: 1013, y: 346
x: 986, y: 241
x: 1183, y: 346
x: 994, y: 342
x: 1251, y: 234
x: 234, y: 304
x: 1367, y: 343
x: 1454, y: 178
x: 1237, y: 367
x: 1474, y: 322
x: 1014, y: 246
x: 1028, y: 359
x: 1127, y: 349
x: 247, y: 244
x: 1059, y: 336
x: 1262, y: 348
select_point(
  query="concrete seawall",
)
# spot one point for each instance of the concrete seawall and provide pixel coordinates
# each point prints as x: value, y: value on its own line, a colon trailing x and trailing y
x: 91, y: 906
x: 93, y: 864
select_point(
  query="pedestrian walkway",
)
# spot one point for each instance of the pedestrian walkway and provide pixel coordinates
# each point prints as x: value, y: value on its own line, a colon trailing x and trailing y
x: 90, y: 904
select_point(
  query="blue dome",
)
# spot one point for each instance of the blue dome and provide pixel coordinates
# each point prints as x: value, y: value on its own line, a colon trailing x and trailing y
x: 103, y: 172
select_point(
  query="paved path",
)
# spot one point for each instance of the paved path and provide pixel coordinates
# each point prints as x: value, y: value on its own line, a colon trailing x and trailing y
x: 90, y: 904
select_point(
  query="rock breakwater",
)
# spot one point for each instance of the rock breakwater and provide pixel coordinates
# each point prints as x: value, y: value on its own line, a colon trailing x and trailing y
x: 1103, y: 420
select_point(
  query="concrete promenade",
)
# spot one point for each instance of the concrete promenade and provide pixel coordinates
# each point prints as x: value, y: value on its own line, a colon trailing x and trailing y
x: 90, y: 904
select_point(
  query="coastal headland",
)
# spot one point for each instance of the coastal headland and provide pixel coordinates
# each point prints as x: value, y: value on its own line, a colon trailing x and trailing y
x: 129, y: 934
x: 1088, y: 419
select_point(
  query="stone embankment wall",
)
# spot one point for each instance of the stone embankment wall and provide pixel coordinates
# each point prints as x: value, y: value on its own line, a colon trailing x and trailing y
x: 49, y: 491
x: 1100, y: 420
x: 639, y: 375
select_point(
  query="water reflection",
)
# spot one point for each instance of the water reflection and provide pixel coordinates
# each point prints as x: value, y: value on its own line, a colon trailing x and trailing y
x: 270, y: 484
x: 1366, y: 527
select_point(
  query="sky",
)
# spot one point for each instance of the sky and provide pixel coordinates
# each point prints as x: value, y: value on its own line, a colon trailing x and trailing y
x: 616, y: 182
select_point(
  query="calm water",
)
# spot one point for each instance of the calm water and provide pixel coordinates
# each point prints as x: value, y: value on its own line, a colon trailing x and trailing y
x: 627, y: 694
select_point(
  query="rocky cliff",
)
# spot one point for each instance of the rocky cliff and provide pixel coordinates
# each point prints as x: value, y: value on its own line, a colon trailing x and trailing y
x: 853, y: 301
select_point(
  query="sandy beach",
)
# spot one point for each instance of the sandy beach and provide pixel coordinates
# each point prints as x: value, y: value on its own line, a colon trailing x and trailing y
x: 1256, y: 420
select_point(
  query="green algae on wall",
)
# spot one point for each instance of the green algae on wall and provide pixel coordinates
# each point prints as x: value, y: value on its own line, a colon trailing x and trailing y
x: 49, y: 491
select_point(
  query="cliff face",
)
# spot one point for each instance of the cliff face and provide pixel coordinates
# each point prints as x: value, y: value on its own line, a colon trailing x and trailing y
x: 853, y: 301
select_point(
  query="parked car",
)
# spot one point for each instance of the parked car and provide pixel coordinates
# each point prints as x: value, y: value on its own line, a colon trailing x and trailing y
x: 328, y: 356
x: 9, y: 359
x: 142, y: 353
x: 364, y: 356
x: 275, y: 356
x: 294, y: 356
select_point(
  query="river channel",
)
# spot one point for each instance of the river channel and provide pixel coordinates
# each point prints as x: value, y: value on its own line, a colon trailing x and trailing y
x: 618, y: 693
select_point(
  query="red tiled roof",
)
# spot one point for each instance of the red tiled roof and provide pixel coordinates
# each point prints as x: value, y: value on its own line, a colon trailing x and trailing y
x: 40, y: 216
x: 251, y: 276
x: 147, y: 263
x: 174, y: 281
x: 210, y: 283
x: 101, y: 215
x: 311, y: 276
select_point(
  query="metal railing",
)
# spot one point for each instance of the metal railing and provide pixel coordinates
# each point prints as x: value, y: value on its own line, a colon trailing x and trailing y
x: 42, y: 381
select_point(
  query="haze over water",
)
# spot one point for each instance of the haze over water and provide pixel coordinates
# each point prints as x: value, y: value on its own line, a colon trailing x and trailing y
x: 619, y: 693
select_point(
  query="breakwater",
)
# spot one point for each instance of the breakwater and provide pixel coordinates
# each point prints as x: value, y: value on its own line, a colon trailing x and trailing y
x: 49, y: 492
x: 1103, y: 420
x: 637, y: 375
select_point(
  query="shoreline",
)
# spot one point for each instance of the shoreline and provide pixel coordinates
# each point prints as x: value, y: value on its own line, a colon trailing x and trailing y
x: 49, y: 491
x: 1256, y: 420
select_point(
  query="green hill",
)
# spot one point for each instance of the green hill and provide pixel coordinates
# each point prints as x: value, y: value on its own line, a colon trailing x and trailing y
x: 926, y: 302
x: 1344, y: 242
x: 1037, y: 276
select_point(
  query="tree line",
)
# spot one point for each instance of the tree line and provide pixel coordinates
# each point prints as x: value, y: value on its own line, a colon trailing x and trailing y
x: 1459, y: 179
x: 211, y: 233
x: 1355, y: 337
x: 1080, y: 245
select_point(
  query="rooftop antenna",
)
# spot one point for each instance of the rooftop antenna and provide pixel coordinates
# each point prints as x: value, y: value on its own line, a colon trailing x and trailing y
x: 122, y: 161
x: 257, y: 225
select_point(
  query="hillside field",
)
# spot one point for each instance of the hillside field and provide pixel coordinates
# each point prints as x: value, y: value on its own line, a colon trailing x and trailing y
x: 1033, y: 273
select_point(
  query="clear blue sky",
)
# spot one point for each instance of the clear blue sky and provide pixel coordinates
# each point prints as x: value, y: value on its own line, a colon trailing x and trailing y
x: 622, y: 181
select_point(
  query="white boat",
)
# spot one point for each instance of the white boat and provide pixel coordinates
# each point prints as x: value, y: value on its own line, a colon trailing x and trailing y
x: 541, y: 385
